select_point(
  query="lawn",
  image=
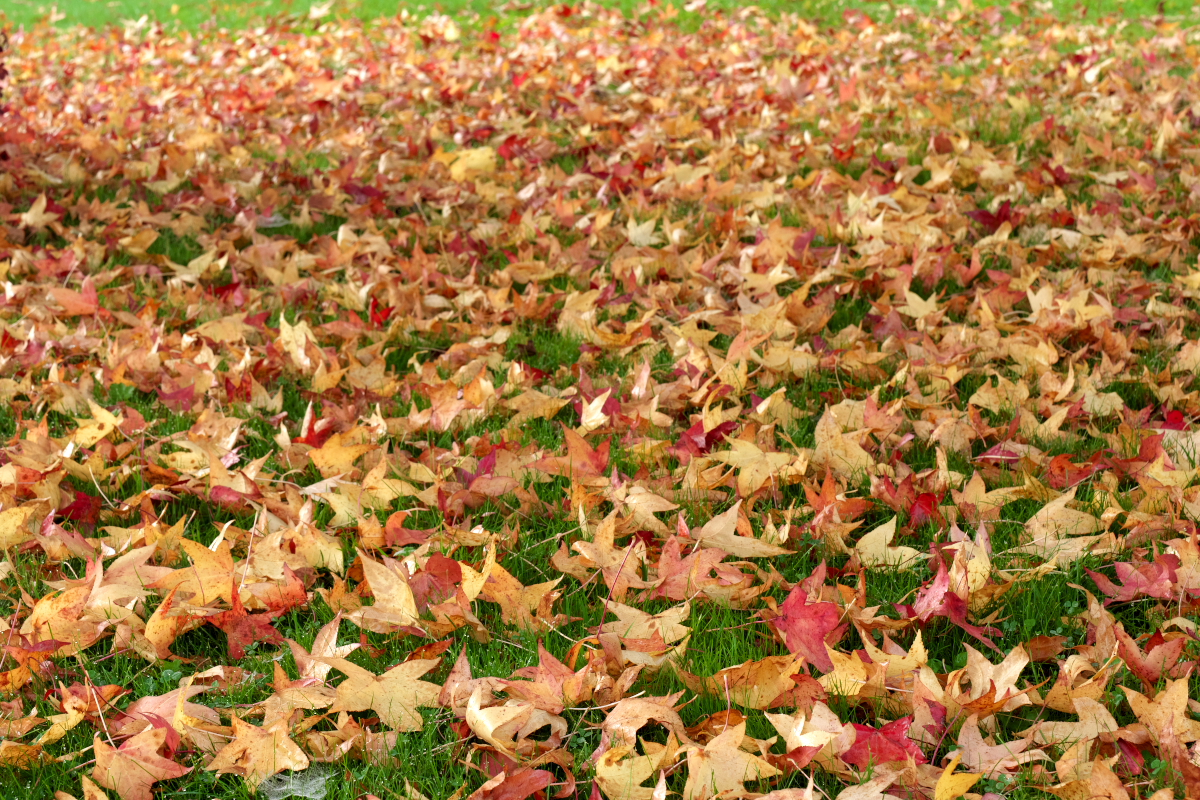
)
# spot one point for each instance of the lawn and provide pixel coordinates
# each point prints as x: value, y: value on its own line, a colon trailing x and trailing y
x: 788, y: 402
x: 99, y: 13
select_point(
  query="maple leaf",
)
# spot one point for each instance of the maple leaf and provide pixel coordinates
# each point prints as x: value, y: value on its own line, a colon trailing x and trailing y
x: 722, y: 768
x: 755, y: 467
x: 207, y: 579
x: 395, y: 696
x: 465, y: 164
x: 831, y: 499
x: 243, y: 629
x: 766, y: 683
x: 619, y: 566
x: 1156, y: 579
x: 642, y: 234
x: 174, y: 706
x: 1094, y: 721
x: 78, y: 703
x: 1161, y: 657
x: 641, y: 505
x: 634, y: 623
x: 698, y: 441
x: 980, y: 755
x: 875, y: 548
x: 935, y: 599
x: 1180, y: 758
x: 840, y: 453
x: 163, y: 627
x: 133, y: 768
x: 1101, y: 784
x: 621, y: 772
x: 324, y: 646
x: 459, y: 686
x: 258, y: 753
x: 992, y: 220
x: 993, y: 686
x: 90, y: 791
x: 682, y: 577
x: 22, y: 756
x: 526, y: 607
x: 725, y: 532
x: 809, y: 627
x: 336, y: 456
x: 507, y: 727
x: 37, y: 217
x: 620, y: 727
x: 552, y: 685
x: 951, y: 785
x: 100, y: 426
x: 521, y: 784
x: 1166, y: 711
x: 879, y: 745
x: 18, y: 525
x: 896, y: 659
x: 1047, y: 530
x: 976, y: 503
x: 872, y: 789
x: 395, y: 606
x: 582, y: 462
x: 804, y: 738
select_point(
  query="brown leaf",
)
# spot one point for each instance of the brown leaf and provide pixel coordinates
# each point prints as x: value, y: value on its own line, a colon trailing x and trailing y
x: 258, y: 753
x: 136, y: 766
x: 395, y: 696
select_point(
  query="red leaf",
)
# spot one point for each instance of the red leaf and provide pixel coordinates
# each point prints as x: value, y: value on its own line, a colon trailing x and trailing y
x: 1155, y: 580
x: 380, y: 314
x: 992, y: 220
x: 935, y: 599
x: 396, y: 535
x: 517, y: 786
x: 1160, y: 658
x: 808, y: 627
x: 243, y: 629
x: 880, y: 745
x: 83, y: 509
x: 696, y: 441
x: 1062, y: 472
x: 178, y: 400
x: 924, y: 509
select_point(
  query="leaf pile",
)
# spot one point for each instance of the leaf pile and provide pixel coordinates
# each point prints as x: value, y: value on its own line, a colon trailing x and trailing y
x: 602, y: 406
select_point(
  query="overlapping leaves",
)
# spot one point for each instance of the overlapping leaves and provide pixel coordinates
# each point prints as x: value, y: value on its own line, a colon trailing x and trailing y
x: 576, y: 332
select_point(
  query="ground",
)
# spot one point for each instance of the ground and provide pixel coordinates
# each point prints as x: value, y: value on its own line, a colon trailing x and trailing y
x: 688, y: 401
x: 239, y: 14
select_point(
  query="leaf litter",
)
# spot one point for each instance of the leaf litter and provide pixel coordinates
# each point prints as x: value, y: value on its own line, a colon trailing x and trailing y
x: 803, y: 411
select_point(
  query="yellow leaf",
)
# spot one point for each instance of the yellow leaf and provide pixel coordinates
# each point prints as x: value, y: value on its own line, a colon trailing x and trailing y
x: 472, y: 581
x: 875, y: 548
x: 395, y: 695
x: 17, y: 525
x: 338, y: 454
x: 472, y: 163
x: 642, y: 235
x: 258, y: 753
x: 98, y: 427
x: 721, y: 767
x: 951, y: 786
x: 36, y: 217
